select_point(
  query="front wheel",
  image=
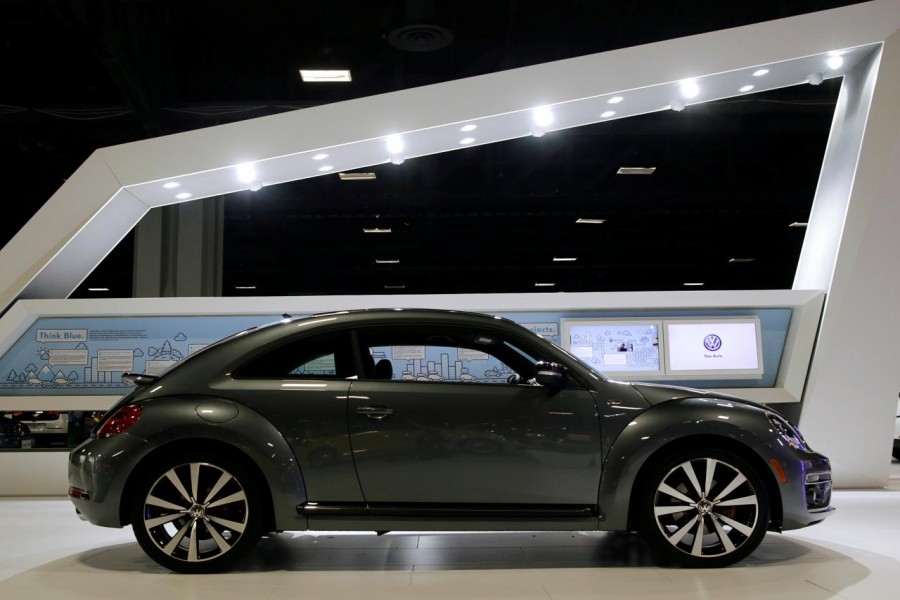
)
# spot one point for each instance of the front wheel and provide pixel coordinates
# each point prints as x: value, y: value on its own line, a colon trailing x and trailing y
x: 196, y: 514
x: 703, y: 508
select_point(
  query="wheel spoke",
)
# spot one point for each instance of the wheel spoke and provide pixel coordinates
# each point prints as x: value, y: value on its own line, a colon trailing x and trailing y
x: 236, y: 497
x: 723, y: 535
x: 710, y: 470
x: 745, y: 501
x: 670, y: 510
x: 697, y: 549
x: 223, y: 479
x: 692, y: 476
x: 678, y: 535
x: 176, y: 539
x: 156, y: 522
x: 234, y: 525
x: 195, y: 481
x: 192, y: 542
x: 173, y: 477
x: 739, y: 526
x: 154, y: 501
x: 738, y: 480
x: 667, y: 489
x: 223, y: 545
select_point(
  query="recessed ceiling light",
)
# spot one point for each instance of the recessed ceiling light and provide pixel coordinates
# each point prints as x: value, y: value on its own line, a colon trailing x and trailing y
x: 376, y: 229
x: 539, y: 284
x: 171, y: 185
x: 324, y: 76
x: 693, y: 283
x: 615, y: 100
x: 183, y: 195
x: 565, y: 259
x: 466, y: 141
x: 689, y: 88
x: 320, y: 156
x: 746, y: 88
x: 394, y: 287
x: 324, y: 168
x: 469, y: 127
x: 98, y: 289
x: 246, y: 172
x: 542, y: 116
x: 358, y: 176
x: 245, y: 287
x: 798, y: 224
x: 834, y: 62
x: 741, y: 260
x: 394, y: 144
x: 607, y: 113
x: 590, y: 221
x: 760, y: 72
x: 636, y: 171
x: 387, y: 261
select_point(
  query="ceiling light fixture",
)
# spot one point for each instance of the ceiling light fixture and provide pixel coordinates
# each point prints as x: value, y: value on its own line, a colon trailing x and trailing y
x: 746, y: 88
x: 615, y: 100
x: 358, y: 176
x: 565, y: 259
x: 256, y: 186
x: 469, y: 127
x: 834, y: 62
x: 466, y: 141
x: 815, y: 78
x: 798, y: 224
x: 246, y: 172
x: 543, y: 284
x: 741, y: 260
x: 376, y: 229
x: 543, y: 118
x: 689, y: 88
x: 584, y: 221
x: 325, y: 168
x: 636, y: 171
x: 394, y: 287
x: 387, y: 261
x: 677, y: 105
x: 171, y: 185
x: 395, y: 148
x: 325, y: 76
x: 693, y: 283
x: 607, y: 113
x: 760, y: 72
x: 320, y: 156
x: 183, y: 195
x: 245, y: 287
x: 98, y: 289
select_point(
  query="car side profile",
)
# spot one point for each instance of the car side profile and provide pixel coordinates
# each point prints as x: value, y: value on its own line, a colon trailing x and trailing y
x: 417, y: 420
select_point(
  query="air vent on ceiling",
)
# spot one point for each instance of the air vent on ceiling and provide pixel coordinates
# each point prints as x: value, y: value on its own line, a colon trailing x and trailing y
x: 420, y: 37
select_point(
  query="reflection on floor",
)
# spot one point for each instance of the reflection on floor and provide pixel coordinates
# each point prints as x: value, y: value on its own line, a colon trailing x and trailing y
x: 48, y: 553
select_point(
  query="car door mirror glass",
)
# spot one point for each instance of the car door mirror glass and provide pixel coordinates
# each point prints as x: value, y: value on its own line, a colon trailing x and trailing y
x: 551, y: 375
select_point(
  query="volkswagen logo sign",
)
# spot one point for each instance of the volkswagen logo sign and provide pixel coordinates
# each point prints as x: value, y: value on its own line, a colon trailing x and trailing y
x: 712, y: 342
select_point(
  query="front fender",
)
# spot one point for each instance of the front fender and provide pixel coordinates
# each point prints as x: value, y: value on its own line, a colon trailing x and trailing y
x: 664, y: 424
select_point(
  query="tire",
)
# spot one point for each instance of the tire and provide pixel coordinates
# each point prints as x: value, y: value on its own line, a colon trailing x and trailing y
x: 719, y: 493
x: 196, y: 513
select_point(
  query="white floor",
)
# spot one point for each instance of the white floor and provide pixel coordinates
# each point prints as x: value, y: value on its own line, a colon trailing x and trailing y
x: 46, y: 552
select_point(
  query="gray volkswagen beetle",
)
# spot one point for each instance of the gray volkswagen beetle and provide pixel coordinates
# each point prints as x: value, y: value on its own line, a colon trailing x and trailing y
x: 412, y: 420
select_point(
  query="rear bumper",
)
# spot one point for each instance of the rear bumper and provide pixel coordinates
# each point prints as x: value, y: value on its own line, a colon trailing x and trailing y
x: 98, y: 471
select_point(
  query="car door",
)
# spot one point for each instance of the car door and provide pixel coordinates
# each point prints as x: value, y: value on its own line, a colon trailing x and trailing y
x: 446, y: 427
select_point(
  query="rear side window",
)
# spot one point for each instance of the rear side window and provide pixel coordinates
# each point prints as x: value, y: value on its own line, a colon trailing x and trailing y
x: 324, y: 356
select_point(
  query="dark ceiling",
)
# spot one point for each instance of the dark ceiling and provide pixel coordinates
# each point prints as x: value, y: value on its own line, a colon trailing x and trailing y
x: 731, y: 175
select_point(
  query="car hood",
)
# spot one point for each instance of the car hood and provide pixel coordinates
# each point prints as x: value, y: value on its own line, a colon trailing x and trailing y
x: 657, y: 394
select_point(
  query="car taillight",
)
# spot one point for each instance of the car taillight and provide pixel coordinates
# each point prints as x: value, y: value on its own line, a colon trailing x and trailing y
x: 124, y: 418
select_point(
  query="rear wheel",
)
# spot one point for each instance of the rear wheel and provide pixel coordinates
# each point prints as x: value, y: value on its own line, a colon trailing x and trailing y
x: 196, y: 514
x: 703, y: 508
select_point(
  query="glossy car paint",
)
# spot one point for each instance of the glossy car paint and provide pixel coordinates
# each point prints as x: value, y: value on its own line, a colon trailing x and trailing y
x: 571, y: 461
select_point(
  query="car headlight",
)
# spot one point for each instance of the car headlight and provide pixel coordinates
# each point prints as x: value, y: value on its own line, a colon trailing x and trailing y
x: 787, y: 432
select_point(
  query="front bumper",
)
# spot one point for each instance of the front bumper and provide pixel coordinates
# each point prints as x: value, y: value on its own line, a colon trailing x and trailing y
x: 98, y: 472
x: 804, y: 482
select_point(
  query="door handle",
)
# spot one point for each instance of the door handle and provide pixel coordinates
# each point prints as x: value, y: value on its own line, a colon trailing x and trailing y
x: 375, y: 412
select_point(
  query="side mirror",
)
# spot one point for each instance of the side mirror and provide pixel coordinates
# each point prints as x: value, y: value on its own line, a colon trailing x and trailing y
x: 551, y: 375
